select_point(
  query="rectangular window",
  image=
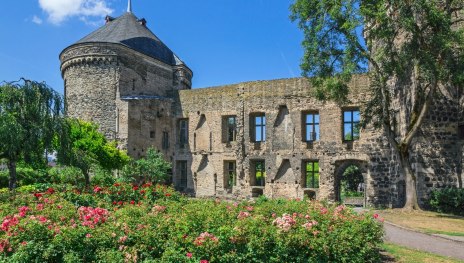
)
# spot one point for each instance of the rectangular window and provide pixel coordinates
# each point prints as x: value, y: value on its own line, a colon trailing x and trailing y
x: 183, y: 133
x: 182, y: 173
x: 230, y: 174
x: 152, y: 134
x: 165, y: 141
x: 259, y: 128
x: 311, y: 127
x: 461, y: 131
x: 259, y: 172
x: 351, y: 119
x: 230, y: 127
x: 311, y: 175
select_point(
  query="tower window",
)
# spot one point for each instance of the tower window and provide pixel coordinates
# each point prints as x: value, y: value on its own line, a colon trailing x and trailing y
x: 183, y: 132
x: 165, y: 140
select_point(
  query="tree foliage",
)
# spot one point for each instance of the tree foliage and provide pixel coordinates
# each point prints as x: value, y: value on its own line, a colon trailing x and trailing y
x: 413, y: 52
x: 81, y: 145
x: 152, y: 168
x: 30, y: 113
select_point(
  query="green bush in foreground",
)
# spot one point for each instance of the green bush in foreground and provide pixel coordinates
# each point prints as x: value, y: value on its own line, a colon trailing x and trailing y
x: 150, y: 223
x: 448, y: 200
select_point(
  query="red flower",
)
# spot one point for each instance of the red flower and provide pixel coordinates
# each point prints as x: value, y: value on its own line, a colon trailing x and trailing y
x: 376, y: 216
x: 132, y: 202
x: 114, y: 202
x: 189, y: 255
x: 168, y: 194
x: 97, y: 189
x: 204, y: 261
x: 50, y: 190
x: 38, y: 195
x: 135, y: 188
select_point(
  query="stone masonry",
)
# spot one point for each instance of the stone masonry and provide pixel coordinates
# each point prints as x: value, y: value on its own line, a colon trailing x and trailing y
x: 139, y: 92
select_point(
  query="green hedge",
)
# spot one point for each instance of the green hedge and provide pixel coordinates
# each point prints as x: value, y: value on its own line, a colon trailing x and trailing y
x: 25, y: 176
x: 448, y: 200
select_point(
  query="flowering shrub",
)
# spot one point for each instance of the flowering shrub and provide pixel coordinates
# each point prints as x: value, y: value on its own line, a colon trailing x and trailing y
x: 126, y: 223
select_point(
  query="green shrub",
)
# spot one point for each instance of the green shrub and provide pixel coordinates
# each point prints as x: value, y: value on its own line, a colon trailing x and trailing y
x: 448, y: 200
x: 66, y: 175
x: 102, y: 177
x: 4, y: 177
x: 152, y: 168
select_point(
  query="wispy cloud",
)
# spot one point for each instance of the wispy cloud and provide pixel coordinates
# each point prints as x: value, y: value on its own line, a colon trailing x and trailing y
x: 284, y: 58
x: 37, y: 20
x: 60, y: 10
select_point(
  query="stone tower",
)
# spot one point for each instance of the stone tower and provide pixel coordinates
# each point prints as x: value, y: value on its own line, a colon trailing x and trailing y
x: 124, y: 78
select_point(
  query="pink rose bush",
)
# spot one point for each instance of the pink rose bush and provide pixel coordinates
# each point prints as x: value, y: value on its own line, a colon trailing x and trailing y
x: 102, y: 224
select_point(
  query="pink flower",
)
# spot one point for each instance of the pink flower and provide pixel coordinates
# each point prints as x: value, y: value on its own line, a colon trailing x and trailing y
x: 285, y: 222
x: 204, y: 261
x: 309, y: 225
x: 40, y: 207
x: 324, y: 210
x: 243, y: 215
x: 189, y: 255
x: 376, y: 216
x: 88, y: 236
x: 23, y: 210
x: 249, y: 208
x: 122, y: 239
x: 204, y: 237
x: 97, y: 189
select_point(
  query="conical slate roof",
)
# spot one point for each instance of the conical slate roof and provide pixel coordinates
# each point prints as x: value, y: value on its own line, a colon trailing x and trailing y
x: 129, y: 31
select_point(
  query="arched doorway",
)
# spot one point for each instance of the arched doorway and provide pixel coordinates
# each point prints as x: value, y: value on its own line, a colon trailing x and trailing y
x: 350, y: 182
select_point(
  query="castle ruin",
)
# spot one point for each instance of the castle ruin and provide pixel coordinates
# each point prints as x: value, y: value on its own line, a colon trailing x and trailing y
x: 269, y: 138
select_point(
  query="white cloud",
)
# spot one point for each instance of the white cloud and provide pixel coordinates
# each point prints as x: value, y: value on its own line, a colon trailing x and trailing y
x: 60, y: 10
x: 37, y: 20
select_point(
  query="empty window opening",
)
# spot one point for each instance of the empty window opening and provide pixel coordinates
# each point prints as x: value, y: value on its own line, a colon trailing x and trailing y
x: 311, y: 127
x: 351, y: 119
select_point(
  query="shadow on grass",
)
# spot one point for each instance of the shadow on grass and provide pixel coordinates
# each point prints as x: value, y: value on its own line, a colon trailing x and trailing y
x: 450, y: 216
x: 386, y: 257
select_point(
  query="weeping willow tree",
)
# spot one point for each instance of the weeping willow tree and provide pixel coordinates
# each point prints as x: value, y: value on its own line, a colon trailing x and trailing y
x: 30, y: 113
x: 413, y: 52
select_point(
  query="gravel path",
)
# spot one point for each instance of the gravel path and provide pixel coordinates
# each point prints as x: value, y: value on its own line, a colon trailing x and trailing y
x: 424, y: 242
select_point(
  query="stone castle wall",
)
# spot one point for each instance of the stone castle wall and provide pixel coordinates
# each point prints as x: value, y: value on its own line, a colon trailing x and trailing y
x: 283, y: 102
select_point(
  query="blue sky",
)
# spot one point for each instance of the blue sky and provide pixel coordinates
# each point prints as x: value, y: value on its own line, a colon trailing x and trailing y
x: 222, y: 41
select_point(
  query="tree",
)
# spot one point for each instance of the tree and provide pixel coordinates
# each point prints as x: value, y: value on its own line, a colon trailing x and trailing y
x: 30, y: 114
x: 81, y: 145
x: 153, y: 168
x: 413, y: 52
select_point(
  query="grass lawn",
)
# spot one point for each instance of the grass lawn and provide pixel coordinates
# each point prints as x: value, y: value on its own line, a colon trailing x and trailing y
x: 425, y: 221
x: 402, y: 254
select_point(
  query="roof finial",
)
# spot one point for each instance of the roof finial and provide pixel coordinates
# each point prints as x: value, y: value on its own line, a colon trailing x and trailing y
x: 129, y: 7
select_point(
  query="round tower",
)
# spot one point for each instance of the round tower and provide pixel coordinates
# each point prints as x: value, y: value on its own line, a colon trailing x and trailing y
x: 122, y: 71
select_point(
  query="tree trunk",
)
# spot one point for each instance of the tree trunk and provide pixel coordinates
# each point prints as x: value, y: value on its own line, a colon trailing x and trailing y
x: 12, y: 170
x: 87, y: 178
x: 411, y: 182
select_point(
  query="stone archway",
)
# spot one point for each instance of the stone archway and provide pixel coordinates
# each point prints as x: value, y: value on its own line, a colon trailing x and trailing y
x: 351, y: 177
